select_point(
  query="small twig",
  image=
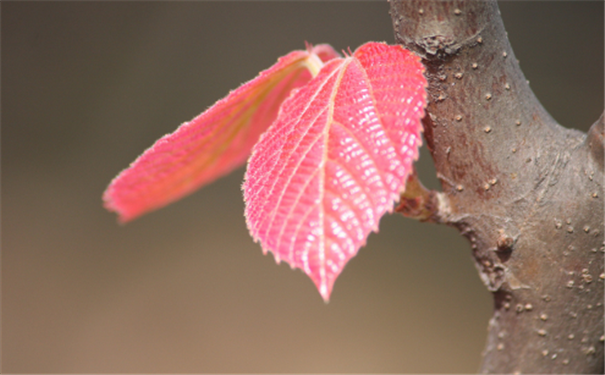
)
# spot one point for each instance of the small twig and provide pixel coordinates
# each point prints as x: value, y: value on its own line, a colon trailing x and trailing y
x: 417, y: 202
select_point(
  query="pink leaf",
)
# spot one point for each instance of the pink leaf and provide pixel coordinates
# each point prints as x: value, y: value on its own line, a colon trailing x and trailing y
x: 215, y: 142
x: 336, y: 159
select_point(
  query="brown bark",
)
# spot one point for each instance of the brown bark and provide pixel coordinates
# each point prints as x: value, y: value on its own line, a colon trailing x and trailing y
x: 525, y: 191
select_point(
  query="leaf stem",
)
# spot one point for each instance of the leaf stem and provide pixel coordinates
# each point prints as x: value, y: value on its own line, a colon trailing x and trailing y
x: 314, y: 64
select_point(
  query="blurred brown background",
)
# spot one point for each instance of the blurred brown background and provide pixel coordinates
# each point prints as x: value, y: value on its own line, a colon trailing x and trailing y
x: 86, y: 87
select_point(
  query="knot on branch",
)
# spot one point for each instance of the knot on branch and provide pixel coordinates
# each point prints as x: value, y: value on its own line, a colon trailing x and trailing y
x: 439, y: 45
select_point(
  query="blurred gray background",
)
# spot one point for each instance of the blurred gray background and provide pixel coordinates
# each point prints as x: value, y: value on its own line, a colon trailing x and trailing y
x: 88, y: 86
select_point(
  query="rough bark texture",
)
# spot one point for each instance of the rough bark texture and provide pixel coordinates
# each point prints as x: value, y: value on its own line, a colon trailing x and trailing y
x: 526, y: 192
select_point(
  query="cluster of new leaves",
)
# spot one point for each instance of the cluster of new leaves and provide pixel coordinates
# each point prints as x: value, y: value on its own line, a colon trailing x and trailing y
x: 338, y: 137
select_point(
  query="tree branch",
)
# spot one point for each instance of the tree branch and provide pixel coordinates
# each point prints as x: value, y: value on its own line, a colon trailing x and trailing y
x: 526, y: 192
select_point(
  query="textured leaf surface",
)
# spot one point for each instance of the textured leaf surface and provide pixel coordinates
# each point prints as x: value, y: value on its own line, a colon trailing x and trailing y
x: 336, y: 159
x: 215, y: 142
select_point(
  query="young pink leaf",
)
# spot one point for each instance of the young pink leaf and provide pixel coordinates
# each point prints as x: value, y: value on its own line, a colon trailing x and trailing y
x: 336, y: 159
x: 215, y: 142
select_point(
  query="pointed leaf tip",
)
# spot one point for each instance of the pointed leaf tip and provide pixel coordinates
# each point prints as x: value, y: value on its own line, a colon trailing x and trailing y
x: 336, y: 159
x: 212, y: 144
